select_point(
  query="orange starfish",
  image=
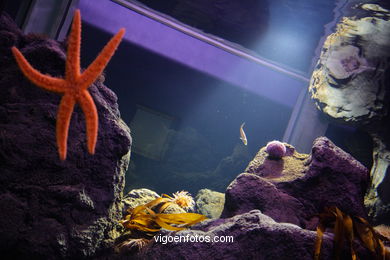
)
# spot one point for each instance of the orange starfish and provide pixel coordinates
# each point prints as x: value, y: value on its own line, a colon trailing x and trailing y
x: 74, y: 86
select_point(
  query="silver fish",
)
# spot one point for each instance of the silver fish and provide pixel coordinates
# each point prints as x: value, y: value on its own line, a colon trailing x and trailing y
x: 243, y: 135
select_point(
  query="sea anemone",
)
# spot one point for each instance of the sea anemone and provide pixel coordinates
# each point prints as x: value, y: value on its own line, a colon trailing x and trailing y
x: 384, y: 232
x: 183, y: 199
x: 132, y: 245
x: 276, y: 149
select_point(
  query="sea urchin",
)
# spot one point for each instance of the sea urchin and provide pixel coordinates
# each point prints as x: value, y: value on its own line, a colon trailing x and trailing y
x: 275, y: 149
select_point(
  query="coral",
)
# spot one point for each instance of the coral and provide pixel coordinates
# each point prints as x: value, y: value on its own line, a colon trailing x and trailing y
x: 276, y: 149
x: 74, y: 86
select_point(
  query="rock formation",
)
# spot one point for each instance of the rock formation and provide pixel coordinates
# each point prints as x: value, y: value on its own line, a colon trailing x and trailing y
x: 51, y: 208
x: 298, y: 186
x: 270, y: 209
x: 254, y: 236
x: 351, y: 84
x: 210, y: 203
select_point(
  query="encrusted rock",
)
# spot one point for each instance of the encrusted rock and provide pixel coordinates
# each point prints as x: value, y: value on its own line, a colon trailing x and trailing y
x: 254, y: 236
x: 210, y: 203
x: 51, y: 208
x: 287, y: 168
x: 378, y: 197
x: 269, y: 209
x: 351, y: 83
x: 139, y: 197
x: 297, y: 187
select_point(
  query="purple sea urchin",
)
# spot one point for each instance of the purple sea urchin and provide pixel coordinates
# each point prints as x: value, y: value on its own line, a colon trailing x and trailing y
x: 275, y: 149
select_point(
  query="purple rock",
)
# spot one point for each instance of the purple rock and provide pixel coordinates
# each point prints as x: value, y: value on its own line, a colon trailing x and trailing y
x: 249, y: 191
x: 255, y: 236
x: 300, y: 186
x: 52, y: 208
x: 269, y: 209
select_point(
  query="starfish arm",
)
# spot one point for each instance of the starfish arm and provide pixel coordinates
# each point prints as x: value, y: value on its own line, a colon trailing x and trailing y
x: 44, y: 81
x: 72, y: 67
x: 91, y: 119
x: 98, y: 65
x: 64, y: 114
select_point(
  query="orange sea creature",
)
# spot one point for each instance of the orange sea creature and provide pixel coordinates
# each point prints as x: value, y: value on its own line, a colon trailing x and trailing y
x: 182, y: 199
x: 74, y: 86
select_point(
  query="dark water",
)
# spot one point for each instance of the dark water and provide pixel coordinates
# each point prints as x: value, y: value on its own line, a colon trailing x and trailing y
x: 185, y: 124
x: 284, y: 31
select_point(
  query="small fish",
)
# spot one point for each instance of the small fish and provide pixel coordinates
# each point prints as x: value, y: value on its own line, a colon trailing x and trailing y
x: 243, y: 135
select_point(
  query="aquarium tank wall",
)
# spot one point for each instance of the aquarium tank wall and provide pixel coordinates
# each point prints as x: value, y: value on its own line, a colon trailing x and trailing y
x: 186, y: 121
x: 208, y: 86
x: 129, y: 122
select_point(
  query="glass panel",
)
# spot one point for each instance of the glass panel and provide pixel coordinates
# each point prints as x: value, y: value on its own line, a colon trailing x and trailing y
x: 284, y: 31
x: 195, y: 116
x: 197, y: 94
x: 150, y: 131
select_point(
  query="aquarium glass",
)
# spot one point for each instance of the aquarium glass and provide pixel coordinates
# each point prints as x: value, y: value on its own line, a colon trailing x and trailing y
x: 185, y: 111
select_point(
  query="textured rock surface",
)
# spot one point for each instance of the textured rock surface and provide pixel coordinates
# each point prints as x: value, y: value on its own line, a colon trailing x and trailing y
x: 292, y: 189
x: 351, y: 83
x: 351, y: 79
x: 378, y: 197
x: 138, y: 197
x: 296, y: 187
x: 210, y: 203
x: 52, y: 208
x: 255, y: 236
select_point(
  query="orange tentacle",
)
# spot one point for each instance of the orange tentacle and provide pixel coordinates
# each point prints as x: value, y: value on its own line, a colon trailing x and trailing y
x: 64, y: 115
x: 91, y: 119
x: 44, y: 81
x: 72, y: 67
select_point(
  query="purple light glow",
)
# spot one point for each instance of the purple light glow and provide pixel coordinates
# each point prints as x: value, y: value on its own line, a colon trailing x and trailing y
x: 197, y: 54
